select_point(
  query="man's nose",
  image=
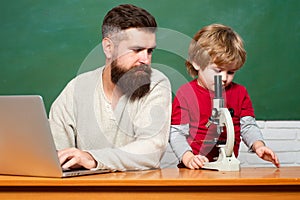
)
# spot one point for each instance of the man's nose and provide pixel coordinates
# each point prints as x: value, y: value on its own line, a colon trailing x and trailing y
x: 144, y: 57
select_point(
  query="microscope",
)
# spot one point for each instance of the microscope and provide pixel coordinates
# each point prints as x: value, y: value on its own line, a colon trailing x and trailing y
x: 221, y: 117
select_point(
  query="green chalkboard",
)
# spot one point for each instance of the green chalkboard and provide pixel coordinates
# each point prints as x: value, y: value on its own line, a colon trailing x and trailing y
x: 44, y: 44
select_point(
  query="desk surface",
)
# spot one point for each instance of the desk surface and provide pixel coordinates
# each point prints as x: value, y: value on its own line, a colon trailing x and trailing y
x: 247, y: 184
x: 169, y: 177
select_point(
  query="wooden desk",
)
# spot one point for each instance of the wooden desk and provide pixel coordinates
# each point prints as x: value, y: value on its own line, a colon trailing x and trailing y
x: 249, y: 183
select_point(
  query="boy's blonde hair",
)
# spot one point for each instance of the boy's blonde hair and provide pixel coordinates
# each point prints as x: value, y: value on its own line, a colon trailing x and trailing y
x: 217, y: 44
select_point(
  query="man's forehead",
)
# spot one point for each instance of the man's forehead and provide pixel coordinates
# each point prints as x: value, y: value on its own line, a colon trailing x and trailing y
x: 137, y: 36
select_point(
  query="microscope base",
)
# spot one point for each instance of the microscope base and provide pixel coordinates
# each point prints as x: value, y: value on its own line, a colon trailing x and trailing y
x: 224, y: 163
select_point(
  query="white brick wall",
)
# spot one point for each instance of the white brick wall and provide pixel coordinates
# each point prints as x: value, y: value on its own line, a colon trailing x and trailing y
x: 283, y: 137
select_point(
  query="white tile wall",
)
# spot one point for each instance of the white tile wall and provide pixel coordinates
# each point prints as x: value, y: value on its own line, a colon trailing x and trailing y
x: 283, y: 137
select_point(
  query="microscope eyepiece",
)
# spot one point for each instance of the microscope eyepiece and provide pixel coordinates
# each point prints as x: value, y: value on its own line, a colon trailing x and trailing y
x: 218, y: 87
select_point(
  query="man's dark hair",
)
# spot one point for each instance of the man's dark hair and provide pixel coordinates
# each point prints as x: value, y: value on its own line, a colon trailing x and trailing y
x: 127, y: 16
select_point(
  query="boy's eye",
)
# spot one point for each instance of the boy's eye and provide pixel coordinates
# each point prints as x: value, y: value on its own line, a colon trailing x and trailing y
x: 231, y: 72
x: 218, y: 70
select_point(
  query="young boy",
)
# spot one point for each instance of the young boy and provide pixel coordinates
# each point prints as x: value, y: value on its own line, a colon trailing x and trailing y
x: 215, y: 50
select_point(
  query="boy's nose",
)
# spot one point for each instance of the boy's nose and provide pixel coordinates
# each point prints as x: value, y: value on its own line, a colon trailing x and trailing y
x: 224, y: 76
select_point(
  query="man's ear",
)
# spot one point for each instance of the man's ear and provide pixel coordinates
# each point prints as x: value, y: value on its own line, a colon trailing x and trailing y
x: 108, y: 47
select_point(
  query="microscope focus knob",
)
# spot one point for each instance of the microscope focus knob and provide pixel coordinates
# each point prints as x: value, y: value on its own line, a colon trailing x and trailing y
x: 214, y: 113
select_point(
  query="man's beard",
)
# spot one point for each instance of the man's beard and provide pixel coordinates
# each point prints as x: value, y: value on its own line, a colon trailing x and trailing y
x: 134, y: 83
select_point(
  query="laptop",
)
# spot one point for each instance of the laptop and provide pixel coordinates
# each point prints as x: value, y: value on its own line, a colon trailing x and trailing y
x: 26, y: 143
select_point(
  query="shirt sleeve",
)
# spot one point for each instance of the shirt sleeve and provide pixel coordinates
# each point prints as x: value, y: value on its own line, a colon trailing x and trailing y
x: 250, y: 131
x: 247, y: 108
x: 178, y: 142
x: 180, y: 110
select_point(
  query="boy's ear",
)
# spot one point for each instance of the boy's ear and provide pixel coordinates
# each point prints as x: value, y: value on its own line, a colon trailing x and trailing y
x: 196, y: 67
x: 108, y: 47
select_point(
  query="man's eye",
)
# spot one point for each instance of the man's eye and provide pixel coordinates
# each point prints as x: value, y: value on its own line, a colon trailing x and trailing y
x: 150, y: 51
x: 137, y: 50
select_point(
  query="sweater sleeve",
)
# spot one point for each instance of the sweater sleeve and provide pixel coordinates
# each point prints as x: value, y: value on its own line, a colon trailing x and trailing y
x: 61, y: 119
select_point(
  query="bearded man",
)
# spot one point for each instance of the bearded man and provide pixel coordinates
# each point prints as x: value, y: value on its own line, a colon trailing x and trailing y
x: 116, y: 117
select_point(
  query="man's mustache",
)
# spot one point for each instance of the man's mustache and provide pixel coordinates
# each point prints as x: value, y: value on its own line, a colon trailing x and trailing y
x: 144, y: 67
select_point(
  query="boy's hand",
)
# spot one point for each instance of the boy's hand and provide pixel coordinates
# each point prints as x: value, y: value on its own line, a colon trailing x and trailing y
x: 265, y: 153
x: 192, y: 161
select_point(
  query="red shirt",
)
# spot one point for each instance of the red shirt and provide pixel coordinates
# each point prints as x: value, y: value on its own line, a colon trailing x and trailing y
x: 193, y: 105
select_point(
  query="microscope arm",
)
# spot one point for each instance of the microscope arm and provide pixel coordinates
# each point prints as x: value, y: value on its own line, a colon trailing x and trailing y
x: 225, y: 120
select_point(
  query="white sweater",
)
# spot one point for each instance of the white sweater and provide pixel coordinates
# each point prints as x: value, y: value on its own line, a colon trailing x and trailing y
x: 133, y: 136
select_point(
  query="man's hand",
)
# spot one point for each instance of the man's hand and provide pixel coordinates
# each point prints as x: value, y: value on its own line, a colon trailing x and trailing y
x: 265, y: 153
x: 74, y: 158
